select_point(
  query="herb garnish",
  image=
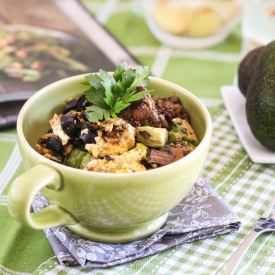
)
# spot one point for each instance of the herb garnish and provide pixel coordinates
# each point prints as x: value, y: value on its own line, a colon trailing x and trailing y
x: 112, y: 93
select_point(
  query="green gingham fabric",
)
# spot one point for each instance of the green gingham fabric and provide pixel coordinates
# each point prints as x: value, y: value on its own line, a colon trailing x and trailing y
x: 247, y: 187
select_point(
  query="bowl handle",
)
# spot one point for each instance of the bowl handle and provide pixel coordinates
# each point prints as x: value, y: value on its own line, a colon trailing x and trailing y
x: 22, y: 192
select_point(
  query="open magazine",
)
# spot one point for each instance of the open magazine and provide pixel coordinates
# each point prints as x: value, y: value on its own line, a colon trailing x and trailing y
x: 62, y: 41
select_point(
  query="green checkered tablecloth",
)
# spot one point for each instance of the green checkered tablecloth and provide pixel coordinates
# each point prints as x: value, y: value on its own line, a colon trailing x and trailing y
x: 247, y: 187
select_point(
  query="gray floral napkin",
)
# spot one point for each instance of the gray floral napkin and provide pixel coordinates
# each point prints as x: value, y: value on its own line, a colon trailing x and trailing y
x: 202, y: 214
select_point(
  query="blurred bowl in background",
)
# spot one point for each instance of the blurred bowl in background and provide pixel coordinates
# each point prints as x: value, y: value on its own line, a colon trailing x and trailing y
x: 191, y: 24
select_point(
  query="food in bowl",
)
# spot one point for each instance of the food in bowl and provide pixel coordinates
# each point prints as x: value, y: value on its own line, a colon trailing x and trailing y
x: 194, y: 18
x: 118, y: 125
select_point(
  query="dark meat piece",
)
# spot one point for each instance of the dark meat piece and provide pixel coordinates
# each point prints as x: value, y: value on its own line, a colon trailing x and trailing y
x: 164, y: 122
x: 171, y: 107
x: 167, y: 154
x: 143, y: 113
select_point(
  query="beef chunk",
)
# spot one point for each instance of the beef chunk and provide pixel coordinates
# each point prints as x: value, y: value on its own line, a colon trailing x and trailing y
x: 168, y: 154
x: 171, y: 107
x: 143, y: 113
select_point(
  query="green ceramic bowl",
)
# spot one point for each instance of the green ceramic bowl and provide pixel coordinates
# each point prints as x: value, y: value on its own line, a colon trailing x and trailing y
x: 101, y: 206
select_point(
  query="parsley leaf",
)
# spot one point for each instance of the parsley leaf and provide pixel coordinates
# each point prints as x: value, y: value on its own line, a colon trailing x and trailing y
x: 135, y: 97
x: 107, y: 82
x: 112, y: 93
x: 96, y: 113
x: 95, y: 97
x: 95, y: 93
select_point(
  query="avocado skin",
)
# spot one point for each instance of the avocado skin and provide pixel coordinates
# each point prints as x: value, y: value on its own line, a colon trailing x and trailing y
x: 246, y: 69
x: 260, y: 99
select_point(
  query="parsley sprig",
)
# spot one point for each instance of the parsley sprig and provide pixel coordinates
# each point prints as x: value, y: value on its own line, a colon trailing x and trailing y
x: 112, y: 93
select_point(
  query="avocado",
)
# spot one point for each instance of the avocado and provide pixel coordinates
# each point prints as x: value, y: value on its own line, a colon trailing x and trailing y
x: 246, y: 69
x: 260, y: 98
x: 77, y: 159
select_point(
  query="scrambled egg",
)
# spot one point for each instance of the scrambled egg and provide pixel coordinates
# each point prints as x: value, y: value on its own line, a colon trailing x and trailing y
x: 115, y: 136
x: 115, y: 142
x: 57, y: 129
x: 127, y: 162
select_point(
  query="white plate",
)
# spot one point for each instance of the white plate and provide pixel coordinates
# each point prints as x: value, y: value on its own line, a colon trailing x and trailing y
x: 186, y: 42
x: 235, y: 104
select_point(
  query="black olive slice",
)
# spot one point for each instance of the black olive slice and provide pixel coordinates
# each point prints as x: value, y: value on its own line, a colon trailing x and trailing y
x: 54, y: 143
x: 78, y: 143
x: 71, y: 126
x: 70, y: 105
x: 88, y: 137
x: 82, y: 102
